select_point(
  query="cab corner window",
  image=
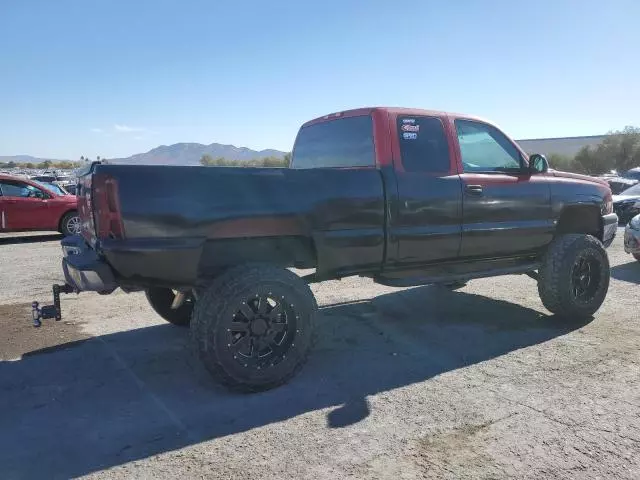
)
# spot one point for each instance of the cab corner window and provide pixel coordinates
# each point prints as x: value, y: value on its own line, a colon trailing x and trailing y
x: 423, y: 144
x: 344, y: 142
x: 485, y: 149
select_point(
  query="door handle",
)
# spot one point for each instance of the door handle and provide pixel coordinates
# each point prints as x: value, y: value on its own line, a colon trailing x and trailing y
x: 473, y: 189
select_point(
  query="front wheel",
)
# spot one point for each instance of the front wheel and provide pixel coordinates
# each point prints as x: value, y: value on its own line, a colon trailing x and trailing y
x: 253, y: 327
x: 161, y: 300
x: 574, y: 277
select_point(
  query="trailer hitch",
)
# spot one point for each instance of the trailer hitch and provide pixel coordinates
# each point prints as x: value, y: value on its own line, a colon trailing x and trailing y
x: 50, y: 311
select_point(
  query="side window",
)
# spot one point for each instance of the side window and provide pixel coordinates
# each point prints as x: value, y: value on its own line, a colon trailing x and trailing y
x: 14, y: 189
x: 423, y: 144
x: 18, y: 189
x: 485, y: 149
x: 344, y: 142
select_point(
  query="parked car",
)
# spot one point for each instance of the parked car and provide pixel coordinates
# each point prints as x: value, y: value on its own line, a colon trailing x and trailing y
x: 44, y: 178
x: 627, y: 204
x: 55, y: 188
x: 620, y: 184
x: 29, y: 205
x: 632, y: 237
x: 633, y: 173
x: 65, y: 181
x: 407, y: 197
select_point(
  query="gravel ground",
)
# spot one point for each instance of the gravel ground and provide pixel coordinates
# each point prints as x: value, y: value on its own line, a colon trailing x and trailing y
x: 403, y: 383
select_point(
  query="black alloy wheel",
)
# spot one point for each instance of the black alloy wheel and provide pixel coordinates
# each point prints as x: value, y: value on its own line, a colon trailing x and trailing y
x: 261, y: 331
x: 585, y: 278
x: 253, y: 326
x: 573, y: 279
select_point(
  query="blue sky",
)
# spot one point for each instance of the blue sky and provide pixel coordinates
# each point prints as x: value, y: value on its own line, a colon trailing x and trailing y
x: 117, y: 77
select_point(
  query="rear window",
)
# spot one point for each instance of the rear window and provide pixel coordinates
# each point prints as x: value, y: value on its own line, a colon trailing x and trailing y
x: 344, y: 142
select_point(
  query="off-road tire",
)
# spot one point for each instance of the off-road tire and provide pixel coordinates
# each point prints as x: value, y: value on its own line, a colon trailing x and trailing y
x: 555, y: 281
x: 217, y: 310
x: 161, y: 299
x: 64, y: 223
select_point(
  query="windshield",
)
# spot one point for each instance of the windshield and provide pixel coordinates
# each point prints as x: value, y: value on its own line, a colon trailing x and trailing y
x: 51, y: 187
x: 635, y: 190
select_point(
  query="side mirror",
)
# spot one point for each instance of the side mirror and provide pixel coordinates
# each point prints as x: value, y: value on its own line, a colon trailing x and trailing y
x: 538, y: 163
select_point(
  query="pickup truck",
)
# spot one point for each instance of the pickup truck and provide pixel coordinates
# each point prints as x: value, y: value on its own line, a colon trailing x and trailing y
x: 403, y: 196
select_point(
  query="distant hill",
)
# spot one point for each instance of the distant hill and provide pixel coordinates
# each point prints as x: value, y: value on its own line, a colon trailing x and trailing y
x: 191, y: 153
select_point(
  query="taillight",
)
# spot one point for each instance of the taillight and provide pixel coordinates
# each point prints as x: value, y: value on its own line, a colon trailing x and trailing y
x: 106, y: 207
x: 607, y: 204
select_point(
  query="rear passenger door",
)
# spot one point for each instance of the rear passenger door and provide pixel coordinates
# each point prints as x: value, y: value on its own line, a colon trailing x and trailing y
x: 507, y: 210
x: 428, y: 223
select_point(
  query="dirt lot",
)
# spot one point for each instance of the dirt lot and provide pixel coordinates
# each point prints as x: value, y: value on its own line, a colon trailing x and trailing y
x: 413, y: 383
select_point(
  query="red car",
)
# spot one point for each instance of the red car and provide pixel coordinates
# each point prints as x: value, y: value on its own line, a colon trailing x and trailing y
x: 29, y: 205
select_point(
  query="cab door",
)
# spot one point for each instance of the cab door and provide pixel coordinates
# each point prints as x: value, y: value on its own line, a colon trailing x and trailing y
x: 506, y: 208
x: 24, y: 206
x: 427, y: 225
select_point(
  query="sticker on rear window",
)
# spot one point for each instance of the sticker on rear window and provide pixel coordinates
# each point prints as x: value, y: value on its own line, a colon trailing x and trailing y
x: 409, y: 136
x: 408, y: 120
x: 410, y: 128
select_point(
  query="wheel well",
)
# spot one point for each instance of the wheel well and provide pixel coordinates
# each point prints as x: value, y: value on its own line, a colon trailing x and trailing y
x: 64, y: 215
x: 283, y: 251
x: 580, y: 219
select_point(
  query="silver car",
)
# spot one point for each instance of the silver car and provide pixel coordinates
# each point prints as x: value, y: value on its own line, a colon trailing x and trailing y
x: 632, y: 237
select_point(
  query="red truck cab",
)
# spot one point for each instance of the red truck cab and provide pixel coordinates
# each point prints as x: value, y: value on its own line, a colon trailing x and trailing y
x: 27, y: 205
x: 461, y: 187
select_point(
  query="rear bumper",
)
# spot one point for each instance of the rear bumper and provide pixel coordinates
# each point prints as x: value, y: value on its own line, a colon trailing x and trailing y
x: 83, y: 269
x: 609, y: 228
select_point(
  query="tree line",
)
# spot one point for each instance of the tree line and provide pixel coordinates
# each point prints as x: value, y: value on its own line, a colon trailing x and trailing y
x: 619, y: 150
x: 46, y: 165
x: 50, y: 164
x: 273, y: 162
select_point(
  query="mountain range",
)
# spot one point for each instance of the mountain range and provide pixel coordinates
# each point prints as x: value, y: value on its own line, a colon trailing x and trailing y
x: 176, y: 154
x: 191, y: 153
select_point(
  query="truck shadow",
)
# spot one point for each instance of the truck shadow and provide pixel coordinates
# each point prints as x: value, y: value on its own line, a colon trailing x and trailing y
x: 109, y: 400
x: 12, y: 240
x: 627, y: 272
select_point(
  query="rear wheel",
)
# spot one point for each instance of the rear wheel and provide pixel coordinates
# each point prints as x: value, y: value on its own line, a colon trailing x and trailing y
x: 253, y: 327
x: 574, y: 277
x: 161, y: 300
x: 70, y: 223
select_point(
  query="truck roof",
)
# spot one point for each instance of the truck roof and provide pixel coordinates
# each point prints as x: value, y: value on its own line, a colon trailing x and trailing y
x: 393, y: 110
